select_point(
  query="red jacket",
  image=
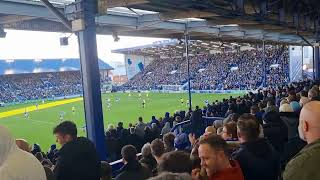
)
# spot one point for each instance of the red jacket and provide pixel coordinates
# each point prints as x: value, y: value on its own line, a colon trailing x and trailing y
x: 233, y: 173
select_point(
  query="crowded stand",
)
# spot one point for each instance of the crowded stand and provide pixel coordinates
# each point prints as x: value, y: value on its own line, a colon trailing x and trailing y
x: 269, y: 134
x: 229, y: 70
x: 23, y: 87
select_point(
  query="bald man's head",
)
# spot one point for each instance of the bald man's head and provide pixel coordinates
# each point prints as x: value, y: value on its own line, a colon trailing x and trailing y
x: 309, y: 124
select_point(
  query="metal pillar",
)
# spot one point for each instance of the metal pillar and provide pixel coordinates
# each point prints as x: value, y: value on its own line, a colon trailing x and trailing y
x: 186, y: 38
x: 316, y: 62
x: 302, y: 75
x: 91, y: 79
x: 264, y: 83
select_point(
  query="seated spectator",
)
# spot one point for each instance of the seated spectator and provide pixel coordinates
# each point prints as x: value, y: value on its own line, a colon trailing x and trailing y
x: 78, y: 158
x: 106, y: 171
x: 15, y: 163
x: 229, y: 132
x: 219, y: 131
x: 132, y: 169
x: 176, y: 162
x: 166, y: 128
x: 303, y: 165
x: 257, y: 158
x: 172, y: 176
x: 23, y: 145
x: 168, y: 140
x: 157, y: 149
x: 147, y: 160
x: 212, y: 152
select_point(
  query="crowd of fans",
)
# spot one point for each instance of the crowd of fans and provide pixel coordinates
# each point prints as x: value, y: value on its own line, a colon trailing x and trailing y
x: 230, y: 70
x: 269, y: 134
x: 22, y: 87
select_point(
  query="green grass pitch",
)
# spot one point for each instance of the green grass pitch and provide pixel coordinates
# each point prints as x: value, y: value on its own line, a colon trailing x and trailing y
x: 38, y: 127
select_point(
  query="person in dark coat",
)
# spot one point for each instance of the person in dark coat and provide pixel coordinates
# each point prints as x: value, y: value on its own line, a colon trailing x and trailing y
x: 257, y: 158
x: 132, y: 169
x: 77, y: 159
x: 275, y: 130
x: 196, y: 123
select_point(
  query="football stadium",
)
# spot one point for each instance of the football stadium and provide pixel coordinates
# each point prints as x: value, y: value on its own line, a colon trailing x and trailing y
x: 227, y: 89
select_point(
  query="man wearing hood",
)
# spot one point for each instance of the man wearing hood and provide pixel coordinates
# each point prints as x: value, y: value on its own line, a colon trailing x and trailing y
x: 16, y: 164
x: 257, y: 158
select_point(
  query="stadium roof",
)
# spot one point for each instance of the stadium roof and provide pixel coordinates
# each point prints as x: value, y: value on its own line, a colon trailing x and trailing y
x: 175, y: 48
x: 274, y: 21
x: 19, y: 66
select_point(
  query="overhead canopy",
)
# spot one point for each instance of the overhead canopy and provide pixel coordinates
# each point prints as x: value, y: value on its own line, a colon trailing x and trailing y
x: 274, y: 21
x: 176, y: 48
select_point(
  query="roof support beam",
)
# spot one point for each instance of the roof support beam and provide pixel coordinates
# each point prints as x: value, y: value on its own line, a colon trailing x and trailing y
x: 14, y: 19
x: 123, y: 3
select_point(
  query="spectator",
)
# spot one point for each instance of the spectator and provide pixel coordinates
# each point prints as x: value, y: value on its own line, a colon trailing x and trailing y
x: 302, y: 166
x: 166, y: 129
x: 257, y: 158
x: 212, y: 152
x: 168, y: 140
x: 172, y: 176
x: 132, y: 169
x: 106, y: 171
x: 147, y: 159
x: 210, y: 130
x: 15, y: 163
x: 78, y: 159
x: 275, y: 130
x: 229, y: 131
x: 140, y: 128
x: 176, y: 162
x: 157, y: 149
x: 303, y: 98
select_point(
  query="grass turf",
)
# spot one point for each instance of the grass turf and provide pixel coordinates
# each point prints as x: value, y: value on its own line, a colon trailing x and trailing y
x: 38, y: 127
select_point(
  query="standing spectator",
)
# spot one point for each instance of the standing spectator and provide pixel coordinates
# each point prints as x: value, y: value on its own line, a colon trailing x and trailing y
x: 140, y: 128
x: 166, y: 129
x: 212, y: 152
x: 132, y: 169
x: 16, y: 164
x: 78, y: 159
x: 303, y: 165
x: 257, y: 158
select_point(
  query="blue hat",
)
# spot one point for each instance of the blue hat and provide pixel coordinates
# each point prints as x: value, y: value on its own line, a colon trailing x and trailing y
x: 295, y: 106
